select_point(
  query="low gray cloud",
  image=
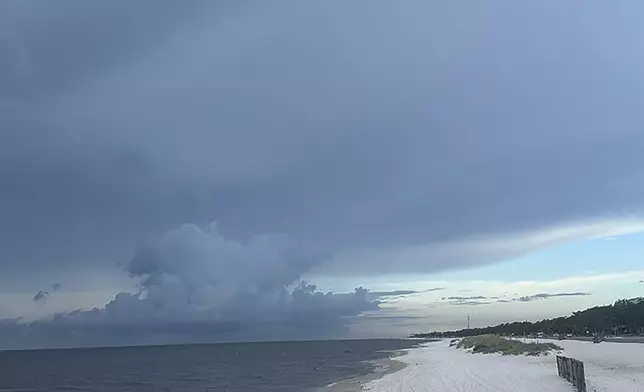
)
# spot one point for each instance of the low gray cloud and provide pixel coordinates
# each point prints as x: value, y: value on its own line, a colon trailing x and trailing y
x: 483, y: 300
x: 41, y: 296
x: 469, y: 303
x: 457, y: 298
x: 401, y: 293
x: 393, y: 293
x: 547, y: 296
x: 194, y: 282
x: 474, y: 300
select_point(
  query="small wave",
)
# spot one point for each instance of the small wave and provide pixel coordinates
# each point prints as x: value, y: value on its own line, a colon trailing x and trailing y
x: 70, y: 388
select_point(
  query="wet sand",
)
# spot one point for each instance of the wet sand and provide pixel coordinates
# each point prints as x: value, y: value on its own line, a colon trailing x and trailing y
x: 383, y: 368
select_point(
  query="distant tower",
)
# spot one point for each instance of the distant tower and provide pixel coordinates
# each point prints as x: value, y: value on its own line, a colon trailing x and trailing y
x: 468, y: 321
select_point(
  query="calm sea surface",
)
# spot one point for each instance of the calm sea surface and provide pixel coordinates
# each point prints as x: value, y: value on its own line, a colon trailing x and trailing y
x: 239, y: 367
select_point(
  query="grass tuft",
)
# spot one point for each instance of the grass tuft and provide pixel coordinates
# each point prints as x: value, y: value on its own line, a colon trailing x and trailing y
x: 488, y: 344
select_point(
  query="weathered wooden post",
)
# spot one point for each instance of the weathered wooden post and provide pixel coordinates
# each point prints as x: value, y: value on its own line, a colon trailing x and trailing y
x: 564, y: 368
x: 573, y: 371
x: 581, y: 386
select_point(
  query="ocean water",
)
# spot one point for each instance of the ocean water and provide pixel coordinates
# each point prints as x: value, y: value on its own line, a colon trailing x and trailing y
x: 238, y: 367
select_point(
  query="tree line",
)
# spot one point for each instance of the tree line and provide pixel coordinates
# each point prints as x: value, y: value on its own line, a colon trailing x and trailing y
x: 624, y: 317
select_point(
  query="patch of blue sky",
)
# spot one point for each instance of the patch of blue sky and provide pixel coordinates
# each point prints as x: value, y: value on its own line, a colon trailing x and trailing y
x: 586, y: 257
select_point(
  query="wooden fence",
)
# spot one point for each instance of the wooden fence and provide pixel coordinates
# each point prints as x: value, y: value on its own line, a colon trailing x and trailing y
x: 573, y: 371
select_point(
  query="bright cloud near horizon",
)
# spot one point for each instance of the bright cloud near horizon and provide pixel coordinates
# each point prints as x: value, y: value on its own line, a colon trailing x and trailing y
x: 243, y: 170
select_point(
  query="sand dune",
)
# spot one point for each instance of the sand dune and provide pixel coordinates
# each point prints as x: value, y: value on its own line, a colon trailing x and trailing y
x: 436, y: 367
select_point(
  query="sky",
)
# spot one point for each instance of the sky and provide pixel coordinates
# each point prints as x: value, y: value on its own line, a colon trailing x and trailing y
x: 250, y: 170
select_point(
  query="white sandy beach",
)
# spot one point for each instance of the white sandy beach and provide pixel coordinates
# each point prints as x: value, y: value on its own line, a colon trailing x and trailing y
x: 436, y: 367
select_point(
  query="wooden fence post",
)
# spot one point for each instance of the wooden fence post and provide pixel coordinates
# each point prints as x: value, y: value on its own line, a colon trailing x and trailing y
x: 581, y: 387
x: 573, y: 371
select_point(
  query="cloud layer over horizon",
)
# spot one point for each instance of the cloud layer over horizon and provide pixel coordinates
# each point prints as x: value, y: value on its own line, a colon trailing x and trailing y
x: 194, y: 285
x: 376, y: 138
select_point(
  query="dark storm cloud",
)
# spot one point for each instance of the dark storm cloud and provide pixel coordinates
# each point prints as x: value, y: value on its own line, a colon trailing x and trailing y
x: 48, y: 47
x: 195, y: 285
x: 302, y: 313
x: 348, y: 127
x: 51, y: 181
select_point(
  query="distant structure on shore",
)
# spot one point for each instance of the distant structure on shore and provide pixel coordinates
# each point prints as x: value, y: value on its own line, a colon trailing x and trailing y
x: 623, y: 318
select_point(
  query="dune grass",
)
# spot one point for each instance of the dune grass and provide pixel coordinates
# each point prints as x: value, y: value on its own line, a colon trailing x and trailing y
x: 488, y: 344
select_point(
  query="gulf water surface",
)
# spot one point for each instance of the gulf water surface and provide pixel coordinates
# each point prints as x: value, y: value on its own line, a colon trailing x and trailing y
x: 238, y: 367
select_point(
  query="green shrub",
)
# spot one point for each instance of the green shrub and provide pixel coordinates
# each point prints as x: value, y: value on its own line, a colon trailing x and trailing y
x: 487, y: 344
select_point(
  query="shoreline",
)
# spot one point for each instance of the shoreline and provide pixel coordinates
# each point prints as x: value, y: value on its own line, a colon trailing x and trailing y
x: 383, y: 368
